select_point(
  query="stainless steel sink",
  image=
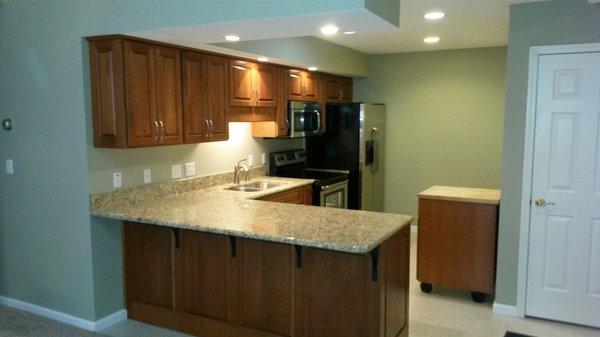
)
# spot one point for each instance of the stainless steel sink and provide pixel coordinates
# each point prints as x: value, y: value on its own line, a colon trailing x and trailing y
x: 254, y: 186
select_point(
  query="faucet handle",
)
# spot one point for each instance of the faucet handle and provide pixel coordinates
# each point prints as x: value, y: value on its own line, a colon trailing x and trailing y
x: 241, y: 161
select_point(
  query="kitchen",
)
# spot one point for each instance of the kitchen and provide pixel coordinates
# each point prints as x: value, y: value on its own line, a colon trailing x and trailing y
x: 232, y: 164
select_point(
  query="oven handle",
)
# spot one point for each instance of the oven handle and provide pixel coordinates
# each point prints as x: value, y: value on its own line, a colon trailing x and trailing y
x: 336, y: 185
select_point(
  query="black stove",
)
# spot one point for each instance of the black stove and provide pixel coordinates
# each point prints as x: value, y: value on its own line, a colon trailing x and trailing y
x: 330, y: 187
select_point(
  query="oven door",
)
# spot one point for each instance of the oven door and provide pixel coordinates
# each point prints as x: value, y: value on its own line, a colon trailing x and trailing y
x: 334, y: 196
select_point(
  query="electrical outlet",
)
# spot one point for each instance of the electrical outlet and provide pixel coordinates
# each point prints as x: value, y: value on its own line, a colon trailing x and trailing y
x: 250, y: 160
x: 190, y: 169
x: 176, y: 172
x: 117, y: 180
x: 147, y: 176
x: 10, y: 169
x: 263, y: 159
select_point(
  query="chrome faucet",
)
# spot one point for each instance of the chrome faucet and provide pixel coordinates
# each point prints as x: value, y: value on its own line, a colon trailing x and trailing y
x: 236, y: 171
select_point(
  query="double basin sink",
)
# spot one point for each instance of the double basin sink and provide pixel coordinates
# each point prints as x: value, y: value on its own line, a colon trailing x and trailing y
x: 254, y: 186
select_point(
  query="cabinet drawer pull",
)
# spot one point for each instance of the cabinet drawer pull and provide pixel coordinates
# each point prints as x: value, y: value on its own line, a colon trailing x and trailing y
x: 375, y: 264
x: 156, y: 130
x: 162, y: 129
x: 298, y: 256
x: 233, y: 246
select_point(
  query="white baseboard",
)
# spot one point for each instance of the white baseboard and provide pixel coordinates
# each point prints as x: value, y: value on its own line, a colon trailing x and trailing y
x: 506, y: 310
x: 98, y: 325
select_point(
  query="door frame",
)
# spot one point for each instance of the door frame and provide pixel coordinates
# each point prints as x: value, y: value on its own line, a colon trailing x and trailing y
x: 535, y: 53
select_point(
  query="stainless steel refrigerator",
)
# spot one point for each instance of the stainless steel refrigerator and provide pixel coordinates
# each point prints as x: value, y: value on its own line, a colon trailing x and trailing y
x: 354, y: 140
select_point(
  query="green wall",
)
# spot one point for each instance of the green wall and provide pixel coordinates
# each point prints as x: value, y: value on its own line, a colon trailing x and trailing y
x: 50, y: 253
x: 444, y: 119
x: 308, y: 50
x: 532, y: 24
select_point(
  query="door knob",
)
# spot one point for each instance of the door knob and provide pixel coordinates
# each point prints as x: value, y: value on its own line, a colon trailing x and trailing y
x: 541, y: 202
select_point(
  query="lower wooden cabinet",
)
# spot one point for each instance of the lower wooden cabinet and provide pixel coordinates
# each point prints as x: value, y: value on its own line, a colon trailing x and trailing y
x: 216, y: 285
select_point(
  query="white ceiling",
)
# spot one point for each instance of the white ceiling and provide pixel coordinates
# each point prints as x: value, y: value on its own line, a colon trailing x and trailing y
x: 468, y: 24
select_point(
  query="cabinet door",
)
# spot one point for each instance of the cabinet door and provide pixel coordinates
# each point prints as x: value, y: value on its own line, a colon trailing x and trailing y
x: 194, y: 102
x: 267, y: 283
x: 311, y: 87
x: 108, y: 93
x: 149, y: 267
x: 216, y: 97
x: 168, y: 95
x: 346, y: 90
x: 266, y: 86
x: 332, y: 89
x: 207, y: 276
x: 241, y: 85
x: 140, y: 86
x: 281, y: 117
x: 295, y: 86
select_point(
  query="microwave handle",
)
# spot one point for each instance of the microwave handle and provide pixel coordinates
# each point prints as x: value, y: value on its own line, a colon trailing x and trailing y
x: 318, y: 120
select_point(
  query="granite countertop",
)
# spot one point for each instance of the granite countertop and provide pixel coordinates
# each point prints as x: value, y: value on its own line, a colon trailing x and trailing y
x: 464, y: 194
x: 216, y: 210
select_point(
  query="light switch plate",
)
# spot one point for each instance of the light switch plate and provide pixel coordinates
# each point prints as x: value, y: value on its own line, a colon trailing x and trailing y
x: 10, y: 169
x: 263, y: 159
x: 117, y: 180
x: 147, y: 176
x: 176, y: 172
x: 250, y: 160
x: 190, y: 169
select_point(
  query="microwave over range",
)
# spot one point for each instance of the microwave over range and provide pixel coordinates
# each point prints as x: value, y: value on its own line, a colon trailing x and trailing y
x: 304, y: 119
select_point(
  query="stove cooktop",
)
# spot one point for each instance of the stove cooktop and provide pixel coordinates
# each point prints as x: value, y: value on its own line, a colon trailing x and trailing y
x: 321, y: 178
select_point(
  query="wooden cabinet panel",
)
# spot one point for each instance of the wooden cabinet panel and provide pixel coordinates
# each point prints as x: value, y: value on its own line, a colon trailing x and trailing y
x: 311, y: 87
x: 205, y: 83
x: 140, y: 86
x: 457, y: 244
x: 168, y: 95
x: 335, y: 287
x: 149, y: 265
x: 395, y: 258
x: 194, y: 102
x: 108, y: 98
x: 295, y: 85
x: 206, y: 278
x: 217, y: 77
x: 332, y: 89
x: 294, y: 196
x: 241, y: 84
x: 266, y: 85
x: 266, y: 286
x: 346, y: 90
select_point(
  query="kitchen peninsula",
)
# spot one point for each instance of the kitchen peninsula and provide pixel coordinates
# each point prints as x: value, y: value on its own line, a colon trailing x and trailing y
x: 214, y: 262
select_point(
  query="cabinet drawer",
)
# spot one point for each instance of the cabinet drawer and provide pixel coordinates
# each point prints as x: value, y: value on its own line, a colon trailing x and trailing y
x: 290, y: 197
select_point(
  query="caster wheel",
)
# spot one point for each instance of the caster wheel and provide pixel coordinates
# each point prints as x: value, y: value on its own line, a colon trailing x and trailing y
x: 426, y: 287
x: 478, y: 297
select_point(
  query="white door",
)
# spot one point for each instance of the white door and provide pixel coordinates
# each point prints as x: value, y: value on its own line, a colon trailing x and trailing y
x: 563, y: 280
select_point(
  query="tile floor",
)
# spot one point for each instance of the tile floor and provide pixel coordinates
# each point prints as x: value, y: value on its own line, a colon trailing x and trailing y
x: 442, y: 313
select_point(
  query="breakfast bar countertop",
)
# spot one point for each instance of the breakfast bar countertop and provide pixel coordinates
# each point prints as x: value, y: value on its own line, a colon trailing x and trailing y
x: 216, y: 210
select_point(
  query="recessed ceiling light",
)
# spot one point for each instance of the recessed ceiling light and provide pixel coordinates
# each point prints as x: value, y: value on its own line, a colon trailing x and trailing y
x: 434, y: 15
x: 431, y: 39
x: 312, y: 68
x: 263, y: 59
x: 232, y: 38
x: 350, y: 32
x: 329, y: 30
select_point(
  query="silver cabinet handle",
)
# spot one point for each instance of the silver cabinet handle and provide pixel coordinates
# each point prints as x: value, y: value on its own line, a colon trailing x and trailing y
x: 207, y: 128
x: 541, y: 202
x: 212, y: 126
x: 156, y: 130
x: 162, y: 129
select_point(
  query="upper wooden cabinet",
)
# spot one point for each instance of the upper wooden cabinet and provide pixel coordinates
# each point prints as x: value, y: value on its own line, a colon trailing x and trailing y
x: 136, y: 93
x: 303, y: 86
x: 337, y: 89
x: 205, y: 82
x: 252, y: 91
x: 280, y: 126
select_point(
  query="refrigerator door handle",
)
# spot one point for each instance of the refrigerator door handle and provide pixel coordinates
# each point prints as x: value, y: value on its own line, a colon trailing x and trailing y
x: 376, y: 139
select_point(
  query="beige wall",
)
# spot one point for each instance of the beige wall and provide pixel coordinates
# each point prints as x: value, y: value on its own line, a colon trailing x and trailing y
x: 444, y: 119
